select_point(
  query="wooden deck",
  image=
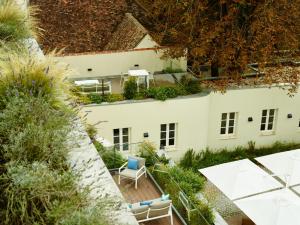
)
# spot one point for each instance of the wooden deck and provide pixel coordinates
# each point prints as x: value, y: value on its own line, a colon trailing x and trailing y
x: 146, y: 191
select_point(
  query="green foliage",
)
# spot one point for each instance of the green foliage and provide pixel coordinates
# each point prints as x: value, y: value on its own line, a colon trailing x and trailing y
x: 95, y: 98
x: 15, y: 24
x: 130, y: 88
x: 91, y: 130
x: 174, y: 180
x: 208, y: 158
x: 189, y: 181
x: 22, y: 74
x: 32, y: 130
x: 114, y: 97
x: 111, y: 157
x: 147, y: 151
x: 163, y: 93
x: 191, y: 86
x: 171, y: 70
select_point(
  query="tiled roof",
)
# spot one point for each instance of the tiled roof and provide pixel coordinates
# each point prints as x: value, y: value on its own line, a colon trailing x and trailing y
x: 78, y: 25
x: 128, y: 35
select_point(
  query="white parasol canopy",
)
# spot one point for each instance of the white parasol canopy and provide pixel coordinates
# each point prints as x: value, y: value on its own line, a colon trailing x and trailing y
x: 86, y: 82
x: 137, y: 73
x: 285, y: 165
x: 279, y: 207
x: 240, y: 179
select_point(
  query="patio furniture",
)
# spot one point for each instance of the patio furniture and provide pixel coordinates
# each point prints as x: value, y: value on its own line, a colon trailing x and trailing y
x: 140, y: 75
x: 132, y: 171
x: 157, y: 209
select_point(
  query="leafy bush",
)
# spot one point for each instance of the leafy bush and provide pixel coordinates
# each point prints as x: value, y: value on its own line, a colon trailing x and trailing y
x: 189, y: 181
x: 130, y: 88
x: 111, y: 157
x: 163, y: 93
x: 20, y: 73
x: 175, y: 180
x: 95, y: 98
x: 190, y: 85
x: 208, y: 158
x: 15, y: 24
x: 32, y: 130
x: 114, y: 97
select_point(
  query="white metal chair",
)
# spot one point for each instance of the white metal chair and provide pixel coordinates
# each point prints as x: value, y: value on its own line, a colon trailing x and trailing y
x: 133, y: 174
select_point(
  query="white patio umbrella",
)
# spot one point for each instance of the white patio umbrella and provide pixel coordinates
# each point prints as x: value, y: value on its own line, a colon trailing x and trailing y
x: 140, y: 74
x: 86, y: 82
x: 279, y: 207
x: 285, y: 165
x: 240, y: 179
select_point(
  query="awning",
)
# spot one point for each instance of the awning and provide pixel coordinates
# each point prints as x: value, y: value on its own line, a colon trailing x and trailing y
x: 285, y: 165
x: 137, y: 73
x: 240, y: 179
x: 86, y: 82
x: 279, y: 207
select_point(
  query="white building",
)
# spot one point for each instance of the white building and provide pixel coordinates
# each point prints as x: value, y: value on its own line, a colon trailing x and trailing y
x: 130, y: 47
x: 213, y: 120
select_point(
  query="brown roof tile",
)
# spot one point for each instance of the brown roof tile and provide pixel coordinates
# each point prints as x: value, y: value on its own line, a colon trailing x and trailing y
x: 128, y: 34
x: 78, y: 25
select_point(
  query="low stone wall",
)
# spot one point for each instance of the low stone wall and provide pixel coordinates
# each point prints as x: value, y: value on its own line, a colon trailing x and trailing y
x: 93, y: 174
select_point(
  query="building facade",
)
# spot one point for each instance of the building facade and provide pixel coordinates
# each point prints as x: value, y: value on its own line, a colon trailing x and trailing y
x: 214, y: 120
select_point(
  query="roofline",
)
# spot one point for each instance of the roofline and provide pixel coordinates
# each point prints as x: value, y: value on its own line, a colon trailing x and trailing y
x: 112, y: 51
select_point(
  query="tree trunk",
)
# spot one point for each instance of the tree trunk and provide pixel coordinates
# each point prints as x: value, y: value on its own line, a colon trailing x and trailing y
x: 214, y: 69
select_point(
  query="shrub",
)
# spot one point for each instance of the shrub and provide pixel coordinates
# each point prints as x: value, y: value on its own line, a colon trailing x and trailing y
x: 114, y: 97
x: 32, y: 130
x: 163, y: 93
x: 189, y: 181
x: 210, y: 158
x: 22, y: 74
x: 130, y: 88
x: 91, y: 130
x: 95, y: 98
x: 147, y: 151
x: 190, y: 85
x: 111, y: 157
x: 15, y: 24
x: 175, y: 180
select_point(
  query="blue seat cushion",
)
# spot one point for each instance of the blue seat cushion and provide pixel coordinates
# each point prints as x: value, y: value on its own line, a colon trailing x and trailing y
x: 145, y: 203
x: 133, y: 164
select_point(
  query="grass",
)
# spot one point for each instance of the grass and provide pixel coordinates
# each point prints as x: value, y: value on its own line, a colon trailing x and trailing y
x: 208, y: 157
x: 16, y: 24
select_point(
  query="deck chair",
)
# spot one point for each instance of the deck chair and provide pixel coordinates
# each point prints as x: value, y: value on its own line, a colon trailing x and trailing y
x: 133, y: 174
x: 158, y: 209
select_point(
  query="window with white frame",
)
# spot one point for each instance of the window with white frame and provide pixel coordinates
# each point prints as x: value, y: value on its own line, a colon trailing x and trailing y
x: 167, y: 135
x: 268, y: 118
x: 121, y: 139
x: 228, y: 124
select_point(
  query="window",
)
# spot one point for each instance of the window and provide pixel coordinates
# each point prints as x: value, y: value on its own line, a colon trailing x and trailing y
x: 268, y: 120
x: 228, y: 123
x: 167, y: 135
x: 121, y: 139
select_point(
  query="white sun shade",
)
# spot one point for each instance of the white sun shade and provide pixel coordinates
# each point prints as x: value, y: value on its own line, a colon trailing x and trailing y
x: 137, y: 73
x: 285, y: 165
x: 240, y: 179
x: 86, y: 82
x: 279, y: 207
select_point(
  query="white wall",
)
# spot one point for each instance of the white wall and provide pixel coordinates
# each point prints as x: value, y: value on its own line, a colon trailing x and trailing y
x: 199, y: 117
x: 147, y: 42
x: 250, y: 103
x: 117, y: 63
x: 190, y: 114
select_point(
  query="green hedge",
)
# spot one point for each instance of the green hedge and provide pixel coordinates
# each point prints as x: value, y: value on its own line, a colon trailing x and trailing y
x: 206, y: 158
x: 111, y: 157
x: 176, y: 179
